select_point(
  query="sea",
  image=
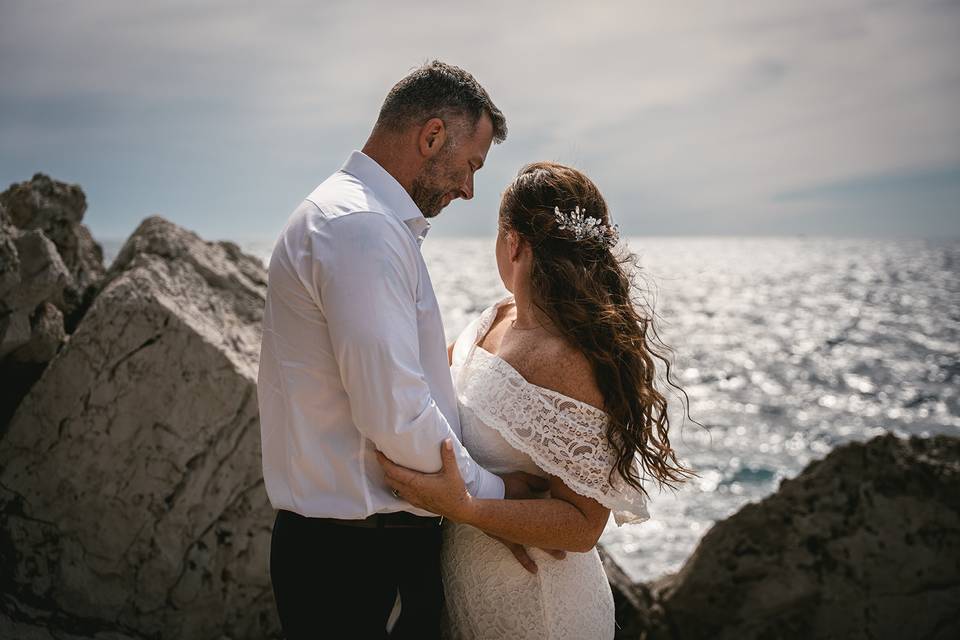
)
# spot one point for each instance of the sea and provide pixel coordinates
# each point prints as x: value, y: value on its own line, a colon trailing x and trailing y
x: 786, y: 347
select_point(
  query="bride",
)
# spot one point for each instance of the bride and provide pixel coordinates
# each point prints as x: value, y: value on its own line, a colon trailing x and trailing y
x: 557, y: 380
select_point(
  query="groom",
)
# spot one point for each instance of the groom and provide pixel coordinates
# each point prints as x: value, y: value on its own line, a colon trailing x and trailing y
x: 353, y: 361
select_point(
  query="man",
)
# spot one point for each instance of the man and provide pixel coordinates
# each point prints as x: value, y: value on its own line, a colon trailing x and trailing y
x: 353, y: 361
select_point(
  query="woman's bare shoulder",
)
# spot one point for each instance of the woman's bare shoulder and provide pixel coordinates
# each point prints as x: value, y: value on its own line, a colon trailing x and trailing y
x: 565, y: 369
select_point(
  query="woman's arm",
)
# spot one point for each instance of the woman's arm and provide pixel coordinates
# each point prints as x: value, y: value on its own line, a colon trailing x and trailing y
x: 566, y: 520
x: 450, y: 353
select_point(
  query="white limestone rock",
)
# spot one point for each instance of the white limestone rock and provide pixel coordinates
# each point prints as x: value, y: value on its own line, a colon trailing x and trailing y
x: 130, y: 474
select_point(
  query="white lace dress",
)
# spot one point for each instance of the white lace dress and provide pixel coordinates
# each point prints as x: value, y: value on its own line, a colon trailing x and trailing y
x: 509, y: 424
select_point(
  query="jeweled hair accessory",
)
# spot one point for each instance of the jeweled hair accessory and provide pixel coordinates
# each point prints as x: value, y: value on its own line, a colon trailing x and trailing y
x: 588, y: 228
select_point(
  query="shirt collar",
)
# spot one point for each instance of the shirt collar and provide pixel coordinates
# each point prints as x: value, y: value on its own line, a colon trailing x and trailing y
x: 388, y: 190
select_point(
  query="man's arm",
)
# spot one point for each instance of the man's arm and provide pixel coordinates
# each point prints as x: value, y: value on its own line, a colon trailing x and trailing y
x: 366, y: 276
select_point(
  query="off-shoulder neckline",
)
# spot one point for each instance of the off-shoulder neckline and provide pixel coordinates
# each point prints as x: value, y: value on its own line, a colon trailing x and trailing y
x: 486, y: 323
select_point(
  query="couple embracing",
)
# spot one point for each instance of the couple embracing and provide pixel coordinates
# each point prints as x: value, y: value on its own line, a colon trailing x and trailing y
x: 472, y: 480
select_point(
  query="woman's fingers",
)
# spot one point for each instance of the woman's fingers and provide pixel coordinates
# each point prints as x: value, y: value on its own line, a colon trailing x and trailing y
x: 394, y: 471
x: 432, y: 491
x: 394, y: 485
x: 448, y: 460
x: 400, y: 480
x: 390, y: 473
x: 385, y: 462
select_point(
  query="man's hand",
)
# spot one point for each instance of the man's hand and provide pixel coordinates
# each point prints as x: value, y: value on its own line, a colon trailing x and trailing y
x: 520, y: 485
x: 520, y: 553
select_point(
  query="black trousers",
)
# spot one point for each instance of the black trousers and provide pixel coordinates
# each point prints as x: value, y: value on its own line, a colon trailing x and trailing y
x: 335, y: 581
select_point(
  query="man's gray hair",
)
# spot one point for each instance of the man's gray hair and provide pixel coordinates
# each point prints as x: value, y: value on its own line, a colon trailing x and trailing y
x: 439, y: 90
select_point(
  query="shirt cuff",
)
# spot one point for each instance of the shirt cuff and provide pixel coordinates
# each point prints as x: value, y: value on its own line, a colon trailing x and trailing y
x: 491, y: 485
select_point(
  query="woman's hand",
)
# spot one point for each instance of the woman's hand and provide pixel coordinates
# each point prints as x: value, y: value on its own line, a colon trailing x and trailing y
x: 443, y: 493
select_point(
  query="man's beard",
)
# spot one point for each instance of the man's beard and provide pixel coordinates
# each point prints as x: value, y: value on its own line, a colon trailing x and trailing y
x: 432, y: 186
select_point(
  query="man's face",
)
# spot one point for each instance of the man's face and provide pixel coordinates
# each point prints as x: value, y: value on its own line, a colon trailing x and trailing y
x: 449, y: 174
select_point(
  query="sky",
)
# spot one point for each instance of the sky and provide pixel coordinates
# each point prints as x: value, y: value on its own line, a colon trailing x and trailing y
x: 700, y: 118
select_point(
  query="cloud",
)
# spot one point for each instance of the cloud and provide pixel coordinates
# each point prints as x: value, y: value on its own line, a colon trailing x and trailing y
x: 880, y: 185
x: 690, y: 118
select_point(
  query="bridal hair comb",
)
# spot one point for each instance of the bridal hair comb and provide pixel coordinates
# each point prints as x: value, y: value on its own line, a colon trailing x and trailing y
x: 587, y: 228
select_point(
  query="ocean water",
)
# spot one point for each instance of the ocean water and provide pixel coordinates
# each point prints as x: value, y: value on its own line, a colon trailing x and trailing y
x: 787, y: 348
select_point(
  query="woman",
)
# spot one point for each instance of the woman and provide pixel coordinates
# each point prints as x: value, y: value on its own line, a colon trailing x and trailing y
x: 557, y: 380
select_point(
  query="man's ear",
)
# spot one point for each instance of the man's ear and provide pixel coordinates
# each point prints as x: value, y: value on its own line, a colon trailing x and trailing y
x: 433, y: 135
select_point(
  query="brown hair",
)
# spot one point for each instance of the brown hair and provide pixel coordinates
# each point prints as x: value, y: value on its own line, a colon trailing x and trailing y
x: 585, y: 290
x: 440, y: 90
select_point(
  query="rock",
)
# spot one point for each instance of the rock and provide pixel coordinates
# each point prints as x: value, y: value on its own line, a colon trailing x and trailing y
x: 23, y: 622
x: 130, y: 476
x: 40, y: 278
x: 45, y: 338
x: 57, y: 209
x: 9, y: 258
x: 33, y: 279
x: 49, y: 268
x: 635, y: 606
x: 862, y: 544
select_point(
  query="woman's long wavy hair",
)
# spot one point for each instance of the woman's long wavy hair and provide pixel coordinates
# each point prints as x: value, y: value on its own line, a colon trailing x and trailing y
x: 586, y: 291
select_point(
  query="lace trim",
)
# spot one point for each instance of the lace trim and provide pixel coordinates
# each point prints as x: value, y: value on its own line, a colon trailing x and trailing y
x: 563, y: 436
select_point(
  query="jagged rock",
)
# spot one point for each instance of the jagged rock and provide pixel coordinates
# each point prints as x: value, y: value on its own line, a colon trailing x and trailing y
x: 48, y: 259
x: 862, y: 544
x: 130, y: 476
x: 57, y: 209
x: 9, y: 259
x: 46, y: 336
x: 33, y: 279
x: 39, y: 277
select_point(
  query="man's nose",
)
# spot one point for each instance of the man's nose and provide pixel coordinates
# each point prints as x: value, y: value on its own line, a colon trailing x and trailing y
x: 466, y: 191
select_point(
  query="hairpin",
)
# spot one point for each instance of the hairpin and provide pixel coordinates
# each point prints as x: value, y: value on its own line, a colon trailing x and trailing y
x: 587, y: 228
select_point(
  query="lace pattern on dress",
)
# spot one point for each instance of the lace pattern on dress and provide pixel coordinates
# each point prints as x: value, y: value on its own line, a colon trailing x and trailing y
x: 563, y: 436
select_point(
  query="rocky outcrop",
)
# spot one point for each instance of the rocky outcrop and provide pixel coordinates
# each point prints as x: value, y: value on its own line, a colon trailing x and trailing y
x: 32, y: 276
x: 130, y: 477
x: 56, y: 209
x: 49, y: 266
x: 862, y: 544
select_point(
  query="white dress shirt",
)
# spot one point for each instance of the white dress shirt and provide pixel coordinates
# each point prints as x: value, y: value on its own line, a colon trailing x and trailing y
x: 353, y: 357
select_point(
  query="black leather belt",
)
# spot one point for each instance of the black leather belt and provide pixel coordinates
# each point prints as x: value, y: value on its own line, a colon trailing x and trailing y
x: 396, y: 520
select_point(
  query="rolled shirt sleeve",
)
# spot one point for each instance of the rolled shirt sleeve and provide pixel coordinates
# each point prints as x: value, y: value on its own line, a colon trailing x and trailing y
x: 366, y: 279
